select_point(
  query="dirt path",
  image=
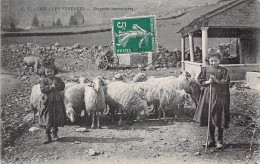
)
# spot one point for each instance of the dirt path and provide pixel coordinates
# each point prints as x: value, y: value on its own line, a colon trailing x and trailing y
x: 174, y: 141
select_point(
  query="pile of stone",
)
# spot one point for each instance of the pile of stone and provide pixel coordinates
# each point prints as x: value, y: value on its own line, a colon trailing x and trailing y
x: 197, y: 55
x: 54, y: 50
x: 168, y: 58
x: 223, y: 49
x: 164, y: 57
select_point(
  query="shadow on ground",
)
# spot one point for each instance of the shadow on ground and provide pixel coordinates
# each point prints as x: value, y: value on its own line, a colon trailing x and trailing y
x: 98, y: 140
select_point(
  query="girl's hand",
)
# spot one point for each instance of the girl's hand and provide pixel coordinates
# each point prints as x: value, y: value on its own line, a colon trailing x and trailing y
x: 54, y: 83
x: 53, y: 86
x: 214, y: 78
x: 210, y: 81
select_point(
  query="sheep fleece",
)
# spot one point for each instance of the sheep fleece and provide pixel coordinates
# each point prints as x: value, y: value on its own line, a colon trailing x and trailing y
x: 123, y: 96
x: 94, y: 101
x: 74, y: 97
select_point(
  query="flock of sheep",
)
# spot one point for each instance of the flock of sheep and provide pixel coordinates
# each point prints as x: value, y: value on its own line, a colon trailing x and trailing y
x: 124, y: 96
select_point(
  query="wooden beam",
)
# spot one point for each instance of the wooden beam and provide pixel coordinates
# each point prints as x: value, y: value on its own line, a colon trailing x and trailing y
x: 191, y: 43
x: 182, y: 52
x: 204, y: 44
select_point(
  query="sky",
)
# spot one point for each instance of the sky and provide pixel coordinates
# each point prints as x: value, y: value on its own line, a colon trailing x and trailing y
x: 95, y: 12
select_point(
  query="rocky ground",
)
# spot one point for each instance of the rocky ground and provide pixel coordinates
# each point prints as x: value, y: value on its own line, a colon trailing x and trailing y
x: 178, y: 140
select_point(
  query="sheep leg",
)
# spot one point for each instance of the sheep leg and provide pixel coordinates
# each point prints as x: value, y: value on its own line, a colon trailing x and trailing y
x: 131, y: 118
x: 159, y: 111
x: 34, y: 115
x: 36, y: 68
x: 32, y: 69
x: 93, y: 120
x: 156, y: 110
x: 112, y: 112
x: 164, y: 116
x: 120, y: 120
x: 26, y: 69
x: 97, y: 113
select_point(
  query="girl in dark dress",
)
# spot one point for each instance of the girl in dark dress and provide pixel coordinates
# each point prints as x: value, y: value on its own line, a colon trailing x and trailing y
x: 52, y: 110
x: 219, y: 79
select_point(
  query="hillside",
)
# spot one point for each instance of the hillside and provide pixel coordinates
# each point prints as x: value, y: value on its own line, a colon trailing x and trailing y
x: 48, y: 11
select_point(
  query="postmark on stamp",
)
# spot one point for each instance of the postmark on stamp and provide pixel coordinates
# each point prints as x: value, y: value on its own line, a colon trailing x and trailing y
x: 134, y: 35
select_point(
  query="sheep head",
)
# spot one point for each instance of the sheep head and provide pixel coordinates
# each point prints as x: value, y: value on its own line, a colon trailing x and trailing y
x: 98, y: 84
x: 142, y: 114
x: 71, y: 114
x: 188, y: 99
x: 140, y: 77
x: 82, y: 80
x: 120, y: 77
x: 185, y: 74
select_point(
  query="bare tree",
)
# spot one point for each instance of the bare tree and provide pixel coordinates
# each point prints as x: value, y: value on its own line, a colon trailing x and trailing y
x: 58, y: 23
x: 35, y: 21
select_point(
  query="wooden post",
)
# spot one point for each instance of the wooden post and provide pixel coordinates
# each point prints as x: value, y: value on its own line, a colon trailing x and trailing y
x: 150, y: 58
x: 240, y: 51
x: 191, y: 43
x: 182, y: 52
x: 204, y: 44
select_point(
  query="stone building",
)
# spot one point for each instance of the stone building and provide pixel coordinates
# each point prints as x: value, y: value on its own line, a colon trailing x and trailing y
x: 238, y: 19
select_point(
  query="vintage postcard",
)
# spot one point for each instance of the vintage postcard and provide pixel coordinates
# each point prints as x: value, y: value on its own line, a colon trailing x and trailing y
x: 130, y: 81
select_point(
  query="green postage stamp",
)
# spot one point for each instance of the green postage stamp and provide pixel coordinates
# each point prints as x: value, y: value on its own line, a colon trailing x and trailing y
x: 134, y: 35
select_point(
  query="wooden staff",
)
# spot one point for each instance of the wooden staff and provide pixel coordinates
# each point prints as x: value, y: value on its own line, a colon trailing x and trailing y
x: 209, y: 116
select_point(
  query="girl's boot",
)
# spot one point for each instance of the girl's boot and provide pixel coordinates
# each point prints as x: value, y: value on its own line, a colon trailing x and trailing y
x: 48, y: 136
x: 220, y: 138
x: 55, y: 134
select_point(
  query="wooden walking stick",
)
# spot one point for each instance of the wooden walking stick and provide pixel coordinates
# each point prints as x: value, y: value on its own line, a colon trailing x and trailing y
x: 209, y: 116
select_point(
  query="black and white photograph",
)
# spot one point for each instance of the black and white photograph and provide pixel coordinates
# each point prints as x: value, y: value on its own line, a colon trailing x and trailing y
x: 130, y: 81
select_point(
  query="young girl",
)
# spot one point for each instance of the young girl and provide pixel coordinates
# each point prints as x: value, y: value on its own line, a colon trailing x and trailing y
x: 52, y: 111
x: 219, y: 79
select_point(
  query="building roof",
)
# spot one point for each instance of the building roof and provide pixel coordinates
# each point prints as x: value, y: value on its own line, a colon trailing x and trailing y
x: 195, y: 19
x: 199, y: 12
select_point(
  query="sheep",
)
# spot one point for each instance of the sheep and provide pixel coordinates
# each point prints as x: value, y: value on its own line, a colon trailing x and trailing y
x: 123, y: 98
x: 120, y: 77
x: 151, y: 89
x: 194, y: 91
x: 35, y: 100
x: 95, y: 100
x: 31, y: 61
x: 74, y: 101
x: 140, y: 77
x: 80, y: 80
x: 170, y: 97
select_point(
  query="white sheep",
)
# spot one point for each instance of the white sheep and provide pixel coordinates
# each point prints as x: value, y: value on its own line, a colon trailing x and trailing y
x: 95, y: 100
x: 170, y: 97
x: 31, y: 61
x: 153, y: 90
x: 35, y: 100
x: 120, y: 77
x: 123, y: 98
x: 140, y: 77
x: 80, y: 80
x: 74, y: 101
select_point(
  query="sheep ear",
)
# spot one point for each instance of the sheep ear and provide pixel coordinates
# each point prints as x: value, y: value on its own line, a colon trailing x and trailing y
x: 188, y: 74
x: 142, y: 112
x: 186, y: 96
